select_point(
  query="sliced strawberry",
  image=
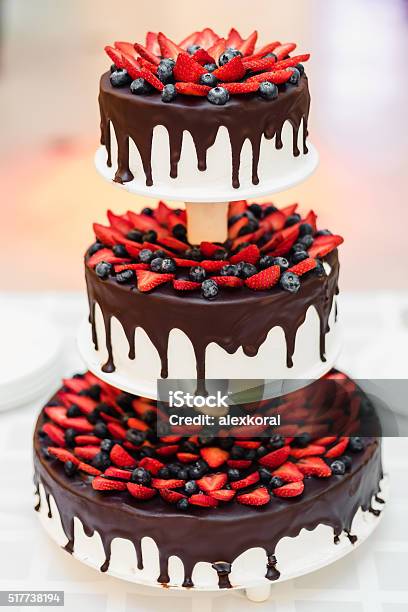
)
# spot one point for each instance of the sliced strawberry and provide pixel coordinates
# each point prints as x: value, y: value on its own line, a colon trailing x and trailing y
x: 202, y: 57
x: 168, y: 48
x: 241, y: 88
x: 85, y: 404
x: 325, y: 441
x: 293, y: 489
x: 187, y: 70
x: 76, y: 385
x: 338, y: 449
x: 265, y: 279
x: 140, y: 491
x: 284, y: 50
x: 237, y: 208
x: 189, y: 40
x: 121, y: 458
x: 258, y: 497
x: 214, y: 456
x: 138, y: 266
x: 292, y: 61
x: 264, y: 50
x: 88, y: 469
x: 288, y: 472
x: 151, y: 464
x: 185, y: 263
x: 86, y: 440
x: 249, y: 254
x: 104, y: 484
x: 168, y: 450
x: 135, y: 423
x: 185, y: 285
x: 224, y: 495
x: 248, y: 443
x: 245, y: 482
x: 107, y: 235
x: 247, y: 46
x: 173, y: 243
x: 232, y: 71
x: 307, y: 451
x: 126, y: 48
x: 104, y: 255
x: 228, y: 281
x: 80, y: 424
x: 62, y: 454
x: 192, y: 89
x: 212, y: 266
x: 278, y: 77
x: 146, y: 54
x: 240, y: 464
x: 87, y: 453
x: 152, y: 43
x: 172, y: 483
x: 146, y: 280
x: 314, y: 466
x: 206, y: 38
x: 113, y: 472
x: 56, y: 414
x: 235, y: 228
x: 234, y: 39
x: 200, y: 499
x: 217, y: 48
x: 116, y: 430
x: 212, y: 482
x: 259, y: 65
x: 275, y: 458
x: 115, y: 55
x: 55, y: 433
x: 119, y: 222
x: 187, y: 457
x: 208, y: 249
x: 171, y: 496
x: 323, y: 245
x: 147, y: 76
x: 285, y: 238
x: 304, y: 266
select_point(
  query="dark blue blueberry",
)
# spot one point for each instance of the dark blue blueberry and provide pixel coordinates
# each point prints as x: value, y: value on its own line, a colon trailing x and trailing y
x: 135, y: 436
x: 220, y: 255
x: 290, y: 282
x: 302, y: 440
x: 266, y: 262
x: 247, y: 269
x: 210, y: 67
x: 147, y: 211
x: 107, y: 445
x: 120, y: 78
x: 276, y: 441
x: 209, y: 289
x: 276, y: 482
x: 113, y: 68
x: 141, y: 476
x: 305, y: 229
x: 338, y: 467
x: 292, y: 219
x: 125, y: 277
x: 101, y: 431
x: 271, y: 55
x: 135, y: 235
x: 319, y: 269
x: 261, y: 451
x: 146, y: 255
x: 295, y: 77
x: 269, y: 210
x: 346, y: 459
x: 256, y: 210
x: 146, y: 451
x: 208, y: 79
x: 140, y: 87
x: 265, y: 475
x: 169, y: 93
x: 150, y: 236
x: 103, y: 269
x: 182, y: 504
x: 229, y: 270
x: 73, y: 411
x: 301, y: 69
x: 226, y: 443
x: 101, y: 461
x: 94, y: 392
x: 179, y: 231
x: 226, y: 57
x: 70, y: 435
x: 218, y: 96
x: 70, y: 468
x: 356, y: 445
x: 233, y: 474
x: 196, y: 472
x: 299, y: 256
x: 164, y: 472
x: 192, y: 49
x: 120, y: 251
x: 234, y: 51
x: 156, y: 264
x: 94, y: 248
x: 323, y: 232
x: 237, y: 452
x: 168, y: 266
x: 193, y: 253
x: 190, y: 487
x: 165, y: 72
x: 306, y: 241
x: 268, y: 90
x: 298, y: 246
x: 183, y: 473
x: 197, y: 274
x: 282, y: 262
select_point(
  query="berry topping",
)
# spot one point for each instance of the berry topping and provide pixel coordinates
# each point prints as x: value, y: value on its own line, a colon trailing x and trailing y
x: 218, y: 95
x: 293, y: 489
x: 258, y: 497
x: 139, y: 491
x: 268, y: 90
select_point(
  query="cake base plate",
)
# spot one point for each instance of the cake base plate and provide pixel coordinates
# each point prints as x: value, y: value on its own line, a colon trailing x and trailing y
x: 305, y: 556
x: 215, y: 191
x: 148, y: 388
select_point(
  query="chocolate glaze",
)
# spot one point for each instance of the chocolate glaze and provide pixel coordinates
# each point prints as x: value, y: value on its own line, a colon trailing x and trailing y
x: 245, y: 117
x: 237, y: 318
x: 209, y: 535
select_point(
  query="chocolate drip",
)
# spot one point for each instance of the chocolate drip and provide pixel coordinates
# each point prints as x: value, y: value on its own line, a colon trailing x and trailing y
x: 374, y: 511
x: 353, y: 538
x: 379, y: 499
x: 223, y: 569
x: 245, y: 118
x: 207, y: 535
x: 241, y: 318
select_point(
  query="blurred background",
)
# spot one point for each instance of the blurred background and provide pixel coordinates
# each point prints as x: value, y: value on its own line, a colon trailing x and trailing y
x: 51, y: 59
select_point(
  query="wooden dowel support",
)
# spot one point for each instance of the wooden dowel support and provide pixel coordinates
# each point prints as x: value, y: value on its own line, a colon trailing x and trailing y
x: 207, y: 221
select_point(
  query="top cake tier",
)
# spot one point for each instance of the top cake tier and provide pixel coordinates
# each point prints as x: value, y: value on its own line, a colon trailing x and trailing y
x: 210, y: 111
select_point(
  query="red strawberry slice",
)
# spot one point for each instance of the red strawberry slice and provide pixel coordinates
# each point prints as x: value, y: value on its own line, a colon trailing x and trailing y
x: 187, y: 70
x: 171, y: 496
x: 174, y: 244
x: 247, y: 46
x: 241, y: 88
x: 292, y: 61
x: 206, y: 38
x: 192, y: 89
x: 76, y: 385
x: 107, y: 235
x: 264, y: 50
x: 314, y: 466
x: 235, y: 228
x: 275, y: 458
x: 140, y: 491
x: 265, y: 279
x: 56, y: 414
x: 121, y: 458
x: 325, y: 441
x: 185, y: 263
x: 323, y: 245
x: 307, y: 451
x: 147, y: 65
x: 80, y: 424
x: 119, y: 222
x: 338, y: 449
x: 105, y: 255
x: 88, y: 469
x: 146, y: 75
x: 86, y: 440
x: 114, y: 472
x: 115, y: 55
x: 232, y: 71
x: 237, y: 208
x: 304, y: 266
x: 284, y: 50
x: 214, y: 456
x: 146, y: 54
x: 168, y: 48
x: 104, y: 484
x: 189, y: 40
x: 116, y: 430
x: 212, y: 266
x: 146, y: 280
x: 288, y: 472
x: 127, y: 48
x: 258, y: 497
x: 259, y: 65
x: 286, y: 236
x: 208, y: 249
x: 248, y: 443
x: 224, y: 495
x: 152, y: 43
x: 168, y: 450
x: 278, y: 77
x: 228, y: 281
x: 212, y: 482
x: 55, y: 433
x: 200, y: 499
x: 144, y: 222
x: 234, y: 39
x: 203, y: 57
x: 151, y: 464
x: 62, y: 454
x: 135, y: 423
x: 245, y: 482
x: 240, y: 464
x: 172, y: 483
x: 217, y: 48
x: 187, y: 457
x: 293, y: 489
x: 185, y: 285
x: 87, y: 453
x: 249, y: 254
x: 85, y: 404
x: 138, y: 266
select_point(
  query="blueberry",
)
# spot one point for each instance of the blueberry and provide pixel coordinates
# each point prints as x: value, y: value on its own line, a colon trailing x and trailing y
x: 165, y: 72
x: 192, y: 49
x: 265, y: 475
x: 146, y: 255
x: 183, y: 473
x: 268, y: 90
x: 306, y: 241
x: 301, y: 69
x: 182, y: 504
x: 190, y: 487
x: 323, y: 232
x: 140, y: 87
x: 276, y: 441
x: 94, y: 392
x: 237, y: 452
x: 70, y: 468
x: 220, y: 255
x: 210, y: 67
x: 135, y: 235
x: 113, y: 68
x: 218, y: 95
x: 73, y: 411
x: 256, y: 210
x: 141, y: 476
x: 193, y: 253
x: 107, y: 445
x: 150, y: 236
x: 196, y: 472
x: 298, y: 246
x: 276, y: 482
x: 226, y: 57
x: 282, y: 262
x: 226, y: 443
x: 156, y: 264
x: 168, y: 266
x: 208, y: 79
x: 295, y: 77
x: 70, y: 435
x: 233, y: 474
x: 120, y: 251
x: 292, y: 219
x: 101, y: 431
x: 271, y: 55
x: 103, y: 269
x: 169, y: 93
x: 290, y: 282
x: 101, y: 461
x: 338, y: 467
x: 164, y: 472
x: 229, y: 270
x: 319, y: 269
x: 125, y: 277
x: 120, y: 78
x: 347, y: 461
x: 266, y: 262
x: 174, y: 469
x: 299, y: 256
x: 234, y: 51
x: 261, y: 451
x: 247, y: 270
x: 146, y: 451
x: 197, y: 274
x: 94, y: 248
x: 135, y: 436
x: 302, y: 440
x: 179, y: 231
x: 269, y: 210
x: 209, y: 289
x: 147, y: 211
x: 356, y: 445
x: 305, y: 229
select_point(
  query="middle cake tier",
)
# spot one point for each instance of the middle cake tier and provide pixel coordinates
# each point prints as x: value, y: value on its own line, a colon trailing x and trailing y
x: 260, y: 306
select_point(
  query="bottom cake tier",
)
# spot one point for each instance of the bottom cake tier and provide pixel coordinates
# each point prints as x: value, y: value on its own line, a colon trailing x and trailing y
x: 195, y: 511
